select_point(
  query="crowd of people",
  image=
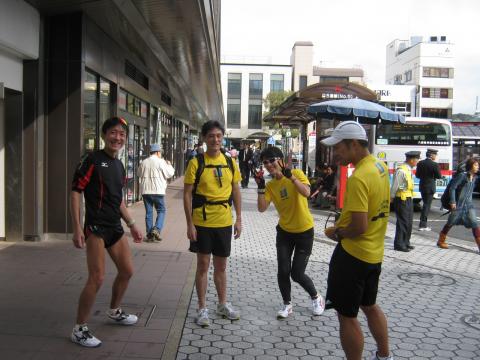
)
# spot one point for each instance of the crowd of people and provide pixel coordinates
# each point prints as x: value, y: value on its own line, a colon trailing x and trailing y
x: 212, y: 191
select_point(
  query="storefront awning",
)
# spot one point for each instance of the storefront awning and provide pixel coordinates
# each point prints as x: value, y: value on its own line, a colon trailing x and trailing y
x: 258, y: 135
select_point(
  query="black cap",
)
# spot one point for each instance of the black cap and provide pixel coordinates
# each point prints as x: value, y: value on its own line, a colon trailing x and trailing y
x: 432, y: 151
x: 413, y: 154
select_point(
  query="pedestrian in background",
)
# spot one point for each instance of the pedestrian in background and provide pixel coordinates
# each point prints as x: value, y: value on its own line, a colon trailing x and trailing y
x: 289, y: 191
x: 356, y: 262
x: 153, y: 174
x: 428, y: 171
x: 100, y: 176
x: 462, y: 210
x: 402, y: 198
x: 244, y: 161
x: 211, y: 187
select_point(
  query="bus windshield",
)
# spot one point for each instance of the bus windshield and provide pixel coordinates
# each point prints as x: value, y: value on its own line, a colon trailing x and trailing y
x: 413, y: 134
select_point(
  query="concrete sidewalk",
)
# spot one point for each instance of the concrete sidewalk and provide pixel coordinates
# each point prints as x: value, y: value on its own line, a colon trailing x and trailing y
x: 41, y: 283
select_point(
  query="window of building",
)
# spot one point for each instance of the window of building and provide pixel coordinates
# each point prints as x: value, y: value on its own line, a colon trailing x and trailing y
x: 233, y: 113
x: 276, y: 82
x: 255, y: 116
x: 397, y: 79
x: 90, y: 115
x: 437, y: 72
x: 234, y: 86
x: 437, y: 93
x: 332, y: 79
x: 302, y: 82
x: 255, y: 90
x: 435, y: 113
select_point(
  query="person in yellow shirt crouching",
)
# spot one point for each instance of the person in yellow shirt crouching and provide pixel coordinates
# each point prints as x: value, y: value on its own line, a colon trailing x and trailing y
x: 289, y: 191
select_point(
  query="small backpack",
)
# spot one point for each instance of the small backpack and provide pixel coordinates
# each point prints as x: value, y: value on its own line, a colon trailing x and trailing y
x: 200, y: 200
x: 445, y: 199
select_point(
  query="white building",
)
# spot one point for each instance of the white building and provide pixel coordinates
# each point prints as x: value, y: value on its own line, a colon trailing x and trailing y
x: 244, y: 87
x: 399, y: 98
x: 306, y: 74
x: 429, y: 65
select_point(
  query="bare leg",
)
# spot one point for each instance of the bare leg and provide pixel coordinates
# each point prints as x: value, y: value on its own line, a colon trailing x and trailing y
x: 120, y: 254
x: 351, y: 337
x: 377, y: 323
x: 96, y: 274
x: 201, y: 280
x: 220, y: 277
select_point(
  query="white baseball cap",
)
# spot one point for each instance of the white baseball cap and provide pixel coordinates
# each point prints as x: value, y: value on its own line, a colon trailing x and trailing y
x: 346, y: 130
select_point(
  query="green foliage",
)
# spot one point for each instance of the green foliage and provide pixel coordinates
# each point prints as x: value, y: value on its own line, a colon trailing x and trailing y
x: 274, y: 99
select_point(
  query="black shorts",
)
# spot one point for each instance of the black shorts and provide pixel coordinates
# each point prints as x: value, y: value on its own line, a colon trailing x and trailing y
x: 109, y: 234
x: 351, y: 283
x: 216, y: 241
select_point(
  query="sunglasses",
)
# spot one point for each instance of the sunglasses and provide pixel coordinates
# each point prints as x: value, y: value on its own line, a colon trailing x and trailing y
x: 269, y: 161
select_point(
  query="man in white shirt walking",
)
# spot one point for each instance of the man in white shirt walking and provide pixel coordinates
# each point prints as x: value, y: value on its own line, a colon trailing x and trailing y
x: 153, y: 173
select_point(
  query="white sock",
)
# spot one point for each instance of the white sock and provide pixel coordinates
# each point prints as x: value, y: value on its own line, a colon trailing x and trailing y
x: 382, y: 357
x: 114, y: 311
x: 78, y: 327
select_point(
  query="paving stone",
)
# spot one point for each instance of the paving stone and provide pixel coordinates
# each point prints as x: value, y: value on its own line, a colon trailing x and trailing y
x: 424, y: 318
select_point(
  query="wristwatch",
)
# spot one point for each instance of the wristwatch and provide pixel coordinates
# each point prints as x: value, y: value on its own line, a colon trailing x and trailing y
x: 131, y: 223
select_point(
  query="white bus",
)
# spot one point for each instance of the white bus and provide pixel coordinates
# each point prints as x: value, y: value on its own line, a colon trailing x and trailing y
x: 392, y: 141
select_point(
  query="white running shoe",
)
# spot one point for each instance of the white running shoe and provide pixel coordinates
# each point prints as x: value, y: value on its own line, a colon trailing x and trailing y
x: 375, y: 357
x: 286, y: 310
x: 424, y: 229
x: 83, y: 336
x: 227, y: 311
x: 121, y: 317
x: 318, y: 305
x: 202, y: 318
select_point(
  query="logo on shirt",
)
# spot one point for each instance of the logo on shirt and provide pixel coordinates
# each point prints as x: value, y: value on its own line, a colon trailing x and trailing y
x: 104, y: 164
x: 283, y: 193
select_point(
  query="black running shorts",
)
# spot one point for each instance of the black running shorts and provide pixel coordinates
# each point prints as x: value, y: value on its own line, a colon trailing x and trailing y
x: 109, y: 234
x: 216, y: 241
x: 351, y: 283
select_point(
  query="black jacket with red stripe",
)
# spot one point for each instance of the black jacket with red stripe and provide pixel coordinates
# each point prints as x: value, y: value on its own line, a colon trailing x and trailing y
x: 101, y: 178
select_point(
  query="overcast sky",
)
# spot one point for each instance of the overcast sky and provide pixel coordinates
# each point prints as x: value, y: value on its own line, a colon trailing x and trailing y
x: 355, y: 33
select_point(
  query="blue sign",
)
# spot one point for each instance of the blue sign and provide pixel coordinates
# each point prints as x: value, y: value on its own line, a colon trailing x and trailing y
x: 271, y: 141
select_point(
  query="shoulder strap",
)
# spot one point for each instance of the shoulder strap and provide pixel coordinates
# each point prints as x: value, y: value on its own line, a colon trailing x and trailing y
x: 200, y: 168
x: 230, y: 163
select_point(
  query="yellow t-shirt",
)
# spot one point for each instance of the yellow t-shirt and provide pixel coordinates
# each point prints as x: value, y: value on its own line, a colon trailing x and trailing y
x: 209, y: 186
x: 295, y: 217
x: 368, y: 190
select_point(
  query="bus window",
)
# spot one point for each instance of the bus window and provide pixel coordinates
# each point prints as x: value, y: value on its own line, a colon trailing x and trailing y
x: 413, y: 134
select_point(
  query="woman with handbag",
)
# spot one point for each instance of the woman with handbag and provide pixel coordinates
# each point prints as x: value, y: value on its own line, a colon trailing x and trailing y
x: 462, y: 210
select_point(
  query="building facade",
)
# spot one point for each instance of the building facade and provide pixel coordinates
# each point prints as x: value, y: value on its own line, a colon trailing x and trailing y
x: 429, y: 65
x: 245, y: 86
x: 65, y: 67
x: 398, y: 98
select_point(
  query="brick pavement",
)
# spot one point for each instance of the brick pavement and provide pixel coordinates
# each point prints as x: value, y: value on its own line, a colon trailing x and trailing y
x: 430, y: 297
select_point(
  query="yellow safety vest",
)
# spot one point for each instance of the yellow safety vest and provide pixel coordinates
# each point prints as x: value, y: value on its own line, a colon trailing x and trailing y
x: 408, y: 192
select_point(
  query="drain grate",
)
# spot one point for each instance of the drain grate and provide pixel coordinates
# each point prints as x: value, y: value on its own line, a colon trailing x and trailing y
x: 424, y: 278
x: 472, y: 320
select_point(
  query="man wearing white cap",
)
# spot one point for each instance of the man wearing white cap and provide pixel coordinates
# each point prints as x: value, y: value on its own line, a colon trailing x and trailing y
x: 356, y: 262
x: 153, y: 174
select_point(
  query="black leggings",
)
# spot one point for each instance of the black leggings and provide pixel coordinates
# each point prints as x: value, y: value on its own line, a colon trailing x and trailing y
x: 286, y: 244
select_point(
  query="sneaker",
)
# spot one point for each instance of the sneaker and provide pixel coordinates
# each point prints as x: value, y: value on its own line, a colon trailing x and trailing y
x: 155, y: 233
x: 83, y: 336
x: 375, y: 357
x: 424, y: 229
x: 121, y: 317
x: 202, y: 318
x: 227, y: 311
x: 318, y: 305
x: 286, y: 310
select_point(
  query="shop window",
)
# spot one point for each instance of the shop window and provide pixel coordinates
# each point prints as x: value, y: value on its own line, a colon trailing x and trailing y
x: 90, y: 116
